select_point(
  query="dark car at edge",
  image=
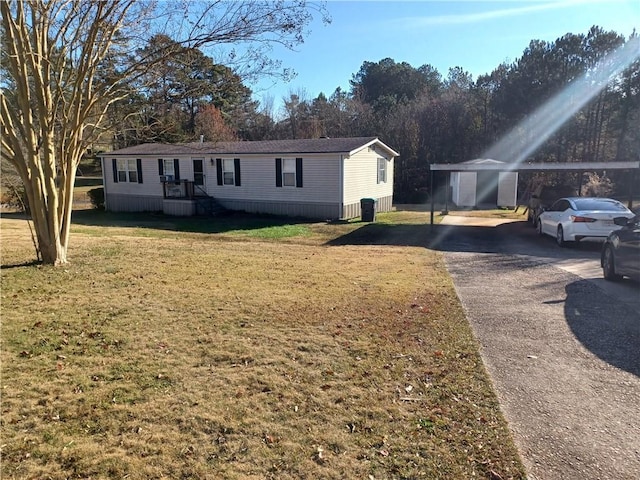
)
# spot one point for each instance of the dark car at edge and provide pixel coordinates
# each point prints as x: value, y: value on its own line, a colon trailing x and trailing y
x: 621, y: 250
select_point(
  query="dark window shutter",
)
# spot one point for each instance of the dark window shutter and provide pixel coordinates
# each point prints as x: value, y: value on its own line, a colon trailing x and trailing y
x: 278, y: 172
x: 219, y: 170
x: 139, y: 168
x: 115, y: 170
x: 299, y: 172
x: 160, y: 167
x: 236, y: 169
x: 176, y: 168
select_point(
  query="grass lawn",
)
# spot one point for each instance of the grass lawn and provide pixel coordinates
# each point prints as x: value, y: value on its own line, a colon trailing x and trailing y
x: 240, y: 348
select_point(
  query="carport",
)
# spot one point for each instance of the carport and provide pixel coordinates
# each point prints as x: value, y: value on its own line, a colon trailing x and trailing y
x: 581, y: 167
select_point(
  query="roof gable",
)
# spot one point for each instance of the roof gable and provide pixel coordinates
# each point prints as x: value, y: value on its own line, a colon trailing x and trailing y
x: 483, y: 161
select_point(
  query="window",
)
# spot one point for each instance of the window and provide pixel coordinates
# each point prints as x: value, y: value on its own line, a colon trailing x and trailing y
x: 288, y: 172
x: 560, y: 206
x: 227, y: 172
x: 127, y: 170
x: 168, y: 168
x: 382, y: 170
x: 603, y: 204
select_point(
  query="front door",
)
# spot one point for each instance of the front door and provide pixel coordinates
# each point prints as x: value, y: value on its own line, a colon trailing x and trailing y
x: 199, y: 178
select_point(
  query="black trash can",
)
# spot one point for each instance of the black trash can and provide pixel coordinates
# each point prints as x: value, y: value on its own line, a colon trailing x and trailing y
x: 368, y: 209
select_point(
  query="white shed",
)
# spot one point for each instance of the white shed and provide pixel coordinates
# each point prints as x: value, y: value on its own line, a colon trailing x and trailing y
x: 486, y: 188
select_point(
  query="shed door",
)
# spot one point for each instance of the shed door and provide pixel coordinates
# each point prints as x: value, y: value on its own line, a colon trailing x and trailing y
x: 487, y: 188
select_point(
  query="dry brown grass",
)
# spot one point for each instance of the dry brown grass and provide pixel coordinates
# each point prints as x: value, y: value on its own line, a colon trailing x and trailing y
x: 519, y: 214
x: 204, y: 356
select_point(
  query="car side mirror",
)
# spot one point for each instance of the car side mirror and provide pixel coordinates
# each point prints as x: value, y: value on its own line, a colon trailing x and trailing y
x: 622, y: 221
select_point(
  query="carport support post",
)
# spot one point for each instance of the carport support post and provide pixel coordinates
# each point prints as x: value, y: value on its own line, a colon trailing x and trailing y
x: 580, y: 175
x: 632, y: 183
x: 432, y: 192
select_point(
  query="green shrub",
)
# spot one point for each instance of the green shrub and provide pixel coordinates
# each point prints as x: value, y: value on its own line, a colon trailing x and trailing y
x: 96, y: 196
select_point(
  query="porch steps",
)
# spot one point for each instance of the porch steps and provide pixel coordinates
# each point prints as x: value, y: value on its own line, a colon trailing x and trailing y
x: 208, y: 206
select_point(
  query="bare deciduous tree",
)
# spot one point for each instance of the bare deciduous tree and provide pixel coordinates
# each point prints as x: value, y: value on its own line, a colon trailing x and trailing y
x: 65, y: 62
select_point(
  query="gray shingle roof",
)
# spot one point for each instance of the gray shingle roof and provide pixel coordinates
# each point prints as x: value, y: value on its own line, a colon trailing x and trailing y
x: 315, y: 145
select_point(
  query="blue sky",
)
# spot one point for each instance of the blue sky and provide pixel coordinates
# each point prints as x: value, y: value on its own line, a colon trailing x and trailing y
x: 475, y: 35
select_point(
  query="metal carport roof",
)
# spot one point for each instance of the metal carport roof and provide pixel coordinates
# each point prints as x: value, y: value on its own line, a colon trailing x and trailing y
x: 474, y: 166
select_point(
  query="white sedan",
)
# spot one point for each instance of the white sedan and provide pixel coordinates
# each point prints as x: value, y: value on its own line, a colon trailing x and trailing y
x: 572, y: 219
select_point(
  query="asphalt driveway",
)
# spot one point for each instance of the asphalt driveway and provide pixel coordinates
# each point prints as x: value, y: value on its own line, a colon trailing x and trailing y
x: 562, y: 346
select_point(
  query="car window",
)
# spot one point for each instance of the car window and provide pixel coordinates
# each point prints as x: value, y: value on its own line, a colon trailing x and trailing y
x: 559, y: 206
x: 603, y: 204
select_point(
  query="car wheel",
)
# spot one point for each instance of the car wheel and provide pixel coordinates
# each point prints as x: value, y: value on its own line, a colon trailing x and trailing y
x: 560, y: 237
x: 609, y: 265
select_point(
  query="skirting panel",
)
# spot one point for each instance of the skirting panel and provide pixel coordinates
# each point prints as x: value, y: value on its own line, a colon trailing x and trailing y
x: 133, y: 203
x: 324, y: 211
x: 179, y: 208
x: 384, y: 204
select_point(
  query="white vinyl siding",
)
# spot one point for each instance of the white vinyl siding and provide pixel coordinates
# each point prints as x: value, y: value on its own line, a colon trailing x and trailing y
x: 321, y: 181
x: 361, y: 173
x: 149, y: 171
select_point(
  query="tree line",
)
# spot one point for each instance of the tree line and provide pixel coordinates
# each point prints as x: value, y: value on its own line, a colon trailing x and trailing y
x: 427, y: 116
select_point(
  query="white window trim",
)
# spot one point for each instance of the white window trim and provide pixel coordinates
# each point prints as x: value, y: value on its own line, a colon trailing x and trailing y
x: 228, y: 172
x: 289, y: 171
x: 168, y: 168
x: 126, y: 167
x: 382, y: 170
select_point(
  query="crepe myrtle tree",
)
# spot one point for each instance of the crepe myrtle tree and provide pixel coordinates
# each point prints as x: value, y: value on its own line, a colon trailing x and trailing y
x: 66, y: 62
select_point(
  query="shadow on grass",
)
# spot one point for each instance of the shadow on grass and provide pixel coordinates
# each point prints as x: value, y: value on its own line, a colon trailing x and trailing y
x: 32, y: 263
x: 437, y: 237
x: 516, y: 238
x: 608, y: 329
x: 231, y: 221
